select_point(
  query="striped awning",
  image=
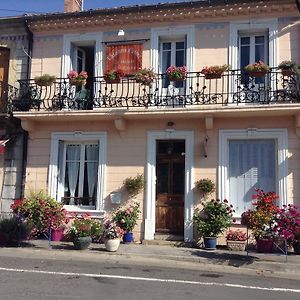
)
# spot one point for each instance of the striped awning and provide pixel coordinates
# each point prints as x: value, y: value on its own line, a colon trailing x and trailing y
x: 2, y: 145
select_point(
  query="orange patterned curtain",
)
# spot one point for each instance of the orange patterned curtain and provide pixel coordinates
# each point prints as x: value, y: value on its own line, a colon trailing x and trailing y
x: 127, y: 57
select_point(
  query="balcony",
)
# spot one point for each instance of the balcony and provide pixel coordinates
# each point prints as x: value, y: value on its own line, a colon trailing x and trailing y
x: 234, y: 88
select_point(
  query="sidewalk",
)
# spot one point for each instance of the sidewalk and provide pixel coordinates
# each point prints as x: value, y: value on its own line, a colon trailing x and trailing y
x: 272, y: 264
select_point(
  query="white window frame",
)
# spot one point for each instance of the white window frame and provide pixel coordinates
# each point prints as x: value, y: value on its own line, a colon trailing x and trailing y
x: 80, y: 137
x: 279, y: 135
x: 150, y: 204
x: 68, y: 39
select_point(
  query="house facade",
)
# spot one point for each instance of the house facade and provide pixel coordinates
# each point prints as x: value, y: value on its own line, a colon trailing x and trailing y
x: 14, y: 65
x: 240, y: 131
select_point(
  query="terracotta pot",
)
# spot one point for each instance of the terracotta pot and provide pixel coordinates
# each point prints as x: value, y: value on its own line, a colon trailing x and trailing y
x: 257, y: 74
x: 236, y: 245
x: 112, y: 245
x: 117, y: 80
x: 213, y: 76
x: 176, y: 79
x: 78, y: 82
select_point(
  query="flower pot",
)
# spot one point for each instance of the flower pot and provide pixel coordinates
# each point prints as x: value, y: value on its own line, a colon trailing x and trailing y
x: 210, y: 243
x: 112, y: 245
x: 77, y: 82
x: 57, y: 234
x: 257, y: 74
x: 82, y: 243
x: 128, y: 237
x: 117, y: 80
x: 296, y: 247
x: 264, y: 245
x: 44, y: 83
x: 3, y: 240
x: 176, y: 79
x: 236, y: 245
x: 287, y: 72
x: 213, y: 76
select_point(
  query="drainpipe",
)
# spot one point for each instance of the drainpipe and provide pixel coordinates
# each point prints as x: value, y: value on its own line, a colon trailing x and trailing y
x: 298, y: 4
x: 30, y: 46
x: 24, y: 163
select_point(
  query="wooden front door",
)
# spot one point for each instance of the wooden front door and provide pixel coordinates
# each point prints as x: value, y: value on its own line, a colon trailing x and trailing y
x: 4, y: 65
x: 170, y: 182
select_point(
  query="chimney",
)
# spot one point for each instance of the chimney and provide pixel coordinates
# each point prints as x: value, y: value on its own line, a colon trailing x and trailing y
x: 73, y: 6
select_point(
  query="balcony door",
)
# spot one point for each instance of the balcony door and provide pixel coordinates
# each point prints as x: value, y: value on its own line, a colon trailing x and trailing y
x: 173, y: 53
x: 4, y: 66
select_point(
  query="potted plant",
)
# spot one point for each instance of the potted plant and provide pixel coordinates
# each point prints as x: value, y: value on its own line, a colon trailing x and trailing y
x: 212, y: 220
x: 236, y: 240
x: 44, y: 80
x: 258, y: 69
x: 134, y: 185
x: 262, y: 220
x: 205, y: 186
x: 41, y: 212
x: 288, y: 225
x: 78, y: 79
x: 126, y: 217
x: 112, y: 234
x: 214, y: 72
x: 113, y: 76
x: 96, y: 230
x: 288, y: 68
x: 145, y: 76
x: 80, y: 231
x: 176, y: 73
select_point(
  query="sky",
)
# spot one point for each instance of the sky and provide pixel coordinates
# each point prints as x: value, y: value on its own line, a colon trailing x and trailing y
x: 20, y: 7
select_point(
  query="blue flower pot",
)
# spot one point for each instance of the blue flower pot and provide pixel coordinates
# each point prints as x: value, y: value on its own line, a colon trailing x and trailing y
x: 210, y: 243
x: 128, y: 238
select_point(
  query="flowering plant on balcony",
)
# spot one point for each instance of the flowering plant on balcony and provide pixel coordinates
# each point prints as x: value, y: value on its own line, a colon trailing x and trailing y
x: 288, y: 223
x: 113, y: 76
x: 288, y: 67
x: 258, y: 69
x: 44, y: 80
x: 145, y: 76
x: 78, y: 79
x: 214, y: 71
x: 176, y: 73
x: 262, y: 219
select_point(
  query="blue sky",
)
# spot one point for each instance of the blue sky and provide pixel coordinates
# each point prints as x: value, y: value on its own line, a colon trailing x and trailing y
x: 19, y: 7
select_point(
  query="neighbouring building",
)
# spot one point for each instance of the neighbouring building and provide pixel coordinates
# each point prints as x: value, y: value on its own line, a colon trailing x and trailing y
x: 14, y: 65
x: 238, y: 130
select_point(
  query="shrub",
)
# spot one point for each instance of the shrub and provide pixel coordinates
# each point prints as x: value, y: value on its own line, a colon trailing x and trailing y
x: 205, y: 186
x: 134, y: 185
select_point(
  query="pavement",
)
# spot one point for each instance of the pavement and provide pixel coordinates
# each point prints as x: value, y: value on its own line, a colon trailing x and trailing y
x: 278, y: 265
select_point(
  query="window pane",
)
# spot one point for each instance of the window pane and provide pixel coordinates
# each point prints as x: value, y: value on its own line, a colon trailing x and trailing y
x: 260, y: 53
x: 162, y: 178
x: 166, y: 46
x: 178, y: 177
x: 245, y: 40
x: 245, y: 56
x: 180, y: 61
x: 259, y: 39
x: 180, y: 45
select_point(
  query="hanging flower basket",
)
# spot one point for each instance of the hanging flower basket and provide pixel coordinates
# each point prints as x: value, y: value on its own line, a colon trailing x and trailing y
x: 111, y: 81
x: 213, y: 76
x: 176, y: 73
x: 78, y: 79
x: 257, y: 74
x: 78, y: 82
x: 287, y: 72
x: 214, y: 72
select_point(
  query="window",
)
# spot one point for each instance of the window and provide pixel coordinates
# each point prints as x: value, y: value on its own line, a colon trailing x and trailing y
x: 250, y: 158
x: 79, y: 173
x: 76, y: 171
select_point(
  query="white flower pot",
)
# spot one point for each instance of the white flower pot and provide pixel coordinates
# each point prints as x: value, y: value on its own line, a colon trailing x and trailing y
x: 112, y: 245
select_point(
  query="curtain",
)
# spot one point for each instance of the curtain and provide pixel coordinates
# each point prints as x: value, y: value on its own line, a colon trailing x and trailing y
x: 126, y: 57
x: 251, y: 164
x: 92, y: 152
x: 73, y: 163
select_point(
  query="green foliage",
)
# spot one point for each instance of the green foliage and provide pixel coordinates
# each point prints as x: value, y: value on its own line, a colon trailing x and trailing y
x: 44, y: 80
x: 126, y: 217
x: 287, y: 65
x: 96, y: 230
x: 81, y: 226
x: 134, y: 185
x: 214, y: 218
x: 40, y: 211
x: 13, y: 229
x: 205, y: 186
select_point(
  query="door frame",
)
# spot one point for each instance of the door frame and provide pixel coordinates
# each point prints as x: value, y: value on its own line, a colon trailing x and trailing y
x: 150, y: 205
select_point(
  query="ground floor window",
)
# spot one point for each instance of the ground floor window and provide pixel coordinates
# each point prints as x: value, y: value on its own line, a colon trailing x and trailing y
x: 249, y: 159
x: 76, y: 172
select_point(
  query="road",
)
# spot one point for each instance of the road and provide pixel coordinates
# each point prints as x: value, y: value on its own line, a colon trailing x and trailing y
x: 67, y: 278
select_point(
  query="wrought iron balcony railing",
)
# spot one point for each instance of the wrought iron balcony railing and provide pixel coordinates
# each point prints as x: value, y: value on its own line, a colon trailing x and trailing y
x: 234, y: 87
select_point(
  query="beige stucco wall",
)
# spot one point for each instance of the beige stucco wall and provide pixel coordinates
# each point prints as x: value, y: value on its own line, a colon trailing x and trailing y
x: 127, y: 152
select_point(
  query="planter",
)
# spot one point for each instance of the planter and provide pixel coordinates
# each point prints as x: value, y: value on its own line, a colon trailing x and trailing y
x: 210, y: 243
x: 236, y: 245
x: 112, y: 245
x: 257, y: 74
x: 296, y: 247
x: 176, y: 79
x: 77, y: 82
x: 44, y: 83
x: 128, y: 237
x: 287, y: 72
x: 118, y: 80
x: 264, y: 245
x: 213, y: 76
x: 82, y: 243
x: 3, y: 240
x: 57, y: 234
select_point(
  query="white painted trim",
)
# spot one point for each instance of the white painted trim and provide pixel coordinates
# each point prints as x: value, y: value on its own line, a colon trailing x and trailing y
x: 281, y: 137
x: 96, y: 37
x: 152, y: 137
x: 101, y: 137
